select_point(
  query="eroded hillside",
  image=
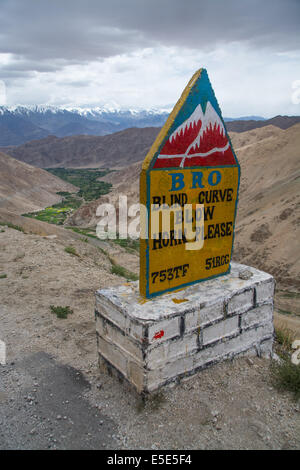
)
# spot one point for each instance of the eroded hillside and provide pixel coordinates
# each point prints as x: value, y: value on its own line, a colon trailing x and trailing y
x: 24, y: 188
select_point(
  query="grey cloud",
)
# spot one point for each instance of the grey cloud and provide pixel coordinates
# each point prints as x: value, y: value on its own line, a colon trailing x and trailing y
x: 22, y: 65
x: 9, y: 75
x: 62, y: 30
x: 86, y: 30
x: 47, y: 35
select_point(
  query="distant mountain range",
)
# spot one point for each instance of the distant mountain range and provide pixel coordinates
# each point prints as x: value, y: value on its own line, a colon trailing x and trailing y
x: 21, y: 124
x: 25, y: 123
x: 84, y: 151
x: 243, y: 125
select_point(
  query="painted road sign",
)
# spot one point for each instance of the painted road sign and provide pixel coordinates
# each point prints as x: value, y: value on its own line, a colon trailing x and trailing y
x: 192, y: 168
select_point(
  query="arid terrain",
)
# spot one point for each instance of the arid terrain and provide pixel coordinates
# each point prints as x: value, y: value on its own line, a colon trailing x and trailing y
x: 52, y: 394
x: 113, y: 150
x: 267, y: 228
x: 84, y: 151
x: 235, y: 405
x: 24, y: 188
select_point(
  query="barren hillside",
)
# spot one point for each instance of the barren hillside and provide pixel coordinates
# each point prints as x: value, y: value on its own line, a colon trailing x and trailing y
x: 24, y: 188
x: 281, y: 122
x: 267, y: 230
x: 269, y: 216
x: 83, y: 151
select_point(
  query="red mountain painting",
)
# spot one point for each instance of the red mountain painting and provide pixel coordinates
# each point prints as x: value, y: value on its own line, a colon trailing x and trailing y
x: 200, y: 140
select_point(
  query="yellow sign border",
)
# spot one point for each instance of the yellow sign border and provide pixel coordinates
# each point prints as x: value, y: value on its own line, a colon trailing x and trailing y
x: 145, y: 191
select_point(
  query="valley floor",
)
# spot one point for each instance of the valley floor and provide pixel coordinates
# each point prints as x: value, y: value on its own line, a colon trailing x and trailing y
x: 52, y: 394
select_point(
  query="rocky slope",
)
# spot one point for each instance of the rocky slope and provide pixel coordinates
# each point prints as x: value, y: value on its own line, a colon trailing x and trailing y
x: 269, y: 208
x: 24, y: 188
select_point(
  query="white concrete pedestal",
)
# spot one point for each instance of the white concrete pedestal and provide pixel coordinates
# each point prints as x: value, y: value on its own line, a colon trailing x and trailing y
x: 152, y: 343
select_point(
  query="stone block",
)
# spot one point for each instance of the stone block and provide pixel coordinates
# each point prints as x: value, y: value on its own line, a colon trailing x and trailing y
x: 220, y: 330
x: 241, y: 302
x: 265, y: 291
x: 163, y: 340
x: 171, y: 350
x: 257, y: 316
x: 203, y: 316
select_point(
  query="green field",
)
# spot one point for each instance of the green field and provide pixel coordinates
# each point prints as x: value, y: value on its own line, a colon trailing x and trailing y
x: 85, y: 179
x: 89, y: 189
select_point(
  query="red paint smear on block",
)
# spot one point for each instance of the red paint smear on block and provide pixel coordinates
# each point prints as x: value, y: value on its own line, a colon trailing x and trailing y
x: 159, y: 334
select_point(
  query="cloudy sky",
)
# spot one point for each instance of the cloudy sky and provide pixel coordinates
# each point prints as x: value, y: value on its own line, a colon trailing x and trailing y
x: 141, y: 53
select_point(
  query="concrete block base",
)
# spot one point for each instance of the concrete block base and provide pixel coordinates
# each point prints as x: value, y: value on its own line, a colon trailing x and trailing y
x: 155, y: 342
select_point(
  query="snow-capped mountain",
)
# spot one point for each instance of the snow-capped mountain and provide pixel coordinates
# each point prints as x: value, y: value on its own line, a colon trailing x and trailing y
x: 96, y: 111
x: 20, y: 124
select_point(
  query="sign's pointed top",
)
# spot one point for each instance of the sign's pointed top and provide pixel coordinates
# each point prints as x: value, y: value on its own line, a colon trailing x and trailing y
x: 191, y: 177
x: 194, y: 134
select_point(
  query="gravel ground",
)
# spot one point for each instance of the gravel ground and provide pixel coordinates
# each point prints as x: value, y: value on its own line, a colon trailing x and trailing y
x: 52, y: 394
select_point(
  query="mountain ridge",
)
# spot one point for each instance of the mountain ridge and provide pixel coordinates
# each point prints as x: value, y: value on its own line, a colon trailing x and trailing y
x: 21, y: 124
x: 112, y: 150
